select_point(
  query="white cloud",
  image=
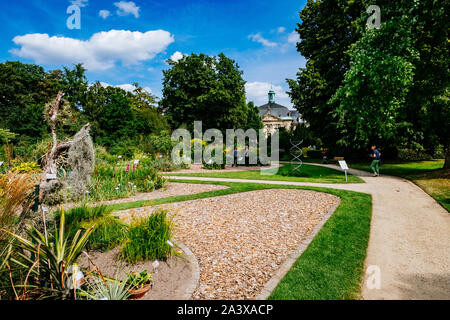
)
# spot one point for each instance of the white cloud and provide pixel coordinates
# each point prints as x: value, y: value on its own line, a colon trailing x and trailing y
x: 293, y: 37
x: 126, y: 86
x: 281, y: 29
x: 257, y: 92
x: 125, y: 8
x: 177, y: 56
x: 80, y: 3
x: 104, y: 13
x: 100, y: 52
x: 258, y: 38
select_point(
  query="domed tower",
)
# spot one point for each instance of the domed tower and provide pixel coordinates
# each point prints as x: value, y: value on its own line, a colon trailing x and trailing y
x: 271, y: 96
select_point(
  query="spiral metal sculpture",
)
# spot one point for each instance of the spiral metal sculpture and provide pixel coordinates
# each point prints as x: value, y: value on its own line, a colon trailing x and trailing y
x: 296, y: 153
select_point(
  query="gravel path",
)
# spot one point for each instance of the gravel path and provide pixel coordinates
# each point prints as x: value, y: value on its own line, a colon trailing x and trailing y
x: 240, y: 240
x: 409, y: 238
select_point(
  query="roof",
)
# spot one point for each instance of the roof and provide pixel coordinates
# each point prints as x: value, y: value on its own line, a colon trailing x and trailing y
x: 279, y: 111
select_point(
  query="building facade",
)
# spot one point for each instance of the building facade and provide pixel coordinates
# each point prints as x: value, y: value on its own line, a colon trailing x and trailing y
x: 275, y: 116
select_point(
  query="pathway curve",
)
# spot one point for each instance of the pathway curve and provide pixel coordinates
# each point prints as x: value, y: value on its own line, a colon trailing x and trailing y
x: 409, y: 238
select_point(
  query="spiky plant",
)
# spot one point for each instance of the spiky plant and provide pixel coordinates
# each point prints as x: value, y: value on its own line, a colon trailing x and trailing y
x: 46, y: 261
x: 101, y: 289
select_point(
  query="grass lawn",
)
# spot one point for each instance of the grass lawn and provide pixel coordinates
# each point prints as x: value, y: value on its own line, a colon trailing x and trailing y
x: 333, y: 264
x: 311, y: 174
x: 428, y: 175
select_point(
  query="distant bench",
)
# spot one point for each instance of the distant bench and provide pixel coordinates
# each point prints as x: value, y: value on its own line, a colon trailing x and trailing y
x: 336, y: 159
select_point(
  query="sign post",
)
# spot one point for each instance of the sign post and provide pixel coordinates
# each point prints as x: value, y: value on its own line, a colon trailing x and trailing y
x: 344, y: 167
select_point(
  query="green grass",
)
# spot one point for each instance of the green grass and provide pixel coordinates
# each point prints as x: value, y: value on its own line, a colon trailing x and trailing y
x: 109, y: 231
x: 147, y: 238
x: 332, y: 266
x: 428, y: 175
x: 309, y: 174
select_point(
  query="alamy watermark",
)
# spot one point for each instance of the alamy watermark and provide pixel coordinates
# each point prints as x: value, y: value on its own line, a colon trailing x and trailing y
x: 373, y: 277
x: 74, y: 20
x: 374, y: 21
x: 242, y: 147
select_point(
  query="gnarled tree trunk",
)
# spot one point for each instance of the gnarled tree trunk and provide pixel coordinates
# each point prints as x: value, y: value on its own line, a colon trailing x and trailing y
x: 46, y: 184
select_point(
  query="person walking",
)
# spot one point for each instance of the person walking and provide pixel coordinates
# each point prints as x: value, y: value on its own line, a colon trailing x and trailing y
x: 376, y: 156
x: 247, y: 156
x: 236, y: 153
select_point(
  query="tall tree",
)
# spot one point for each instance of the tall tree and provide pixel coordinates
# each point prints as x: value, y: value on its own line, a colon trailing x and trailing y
x: 396, y: 90
x: 327, y: 30
x: 149, y: 118
x: 204, y: 88
x: 110, y: 114
x: 372, y: 96
x: 75, y: 85
x: 254, y: 120
x: 21, y: 101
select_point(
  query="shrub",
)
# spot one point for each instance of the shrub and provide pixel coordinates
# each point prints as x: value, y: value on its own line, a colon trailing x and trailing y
x: 110, y: 182
x: 157, y: 144
x: 162, y: 164
x: 314, y: 154
x: 213, y: 166
x: 27, y: 167
x: 147, y: 238
x: 125, y: 150
x: 413, y: 155
x: 104, y: 156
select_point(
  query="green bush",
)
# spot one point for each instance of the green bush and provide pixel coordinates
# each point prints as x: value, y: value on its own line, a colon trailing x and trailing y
x: 314, y: 154
x: 104, y: 156
x: 113, y: 182
x: 163, y: 164
x: 213, y: 166
x: 413, y: 155
x: 126, y: 151
x: 147, y: 238
x: 157, y: 144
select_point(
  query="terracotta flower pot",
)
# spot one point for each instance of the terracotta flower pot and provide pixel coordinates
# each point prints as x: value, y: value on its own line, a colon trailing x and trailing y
x: 139, y: 293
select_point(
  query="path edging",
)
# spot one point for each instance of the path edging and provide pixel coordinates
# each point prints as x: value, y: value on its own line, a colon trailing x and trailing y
x: 289, y: 262
x: 195, y: 273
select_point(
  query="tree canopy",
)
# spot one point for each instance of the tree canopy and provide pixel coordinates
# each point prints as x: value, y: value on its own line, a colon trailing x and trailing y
x: 387, y: 86
x: 204, y: 88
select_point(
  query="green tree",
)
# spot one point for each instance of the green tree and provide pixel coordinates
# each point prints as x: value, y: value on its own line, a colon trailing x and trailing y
x: 110, y: 114
x: 21, y: 101
x: 327, y: 30
x: 149, y: 118
x: 74, y: 85
x: 396, y: 90
x: 204, y: 88
x: 375, y: 87
x: 254, y: 120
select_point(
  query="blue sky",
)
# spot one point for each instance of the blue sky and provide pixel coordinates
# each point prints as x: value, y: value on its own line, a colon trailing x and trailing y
x: 121, y: 42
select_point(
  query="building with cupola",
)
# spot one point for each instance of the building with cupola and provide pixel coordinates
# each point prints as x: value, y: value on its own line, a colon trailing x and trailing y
x: 275, y: 116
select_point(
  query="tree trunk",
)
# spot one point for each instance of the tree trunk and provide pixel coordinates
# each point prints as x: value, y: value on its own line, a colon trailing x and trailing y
x: 447, y: 157
x: 50, y: 164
